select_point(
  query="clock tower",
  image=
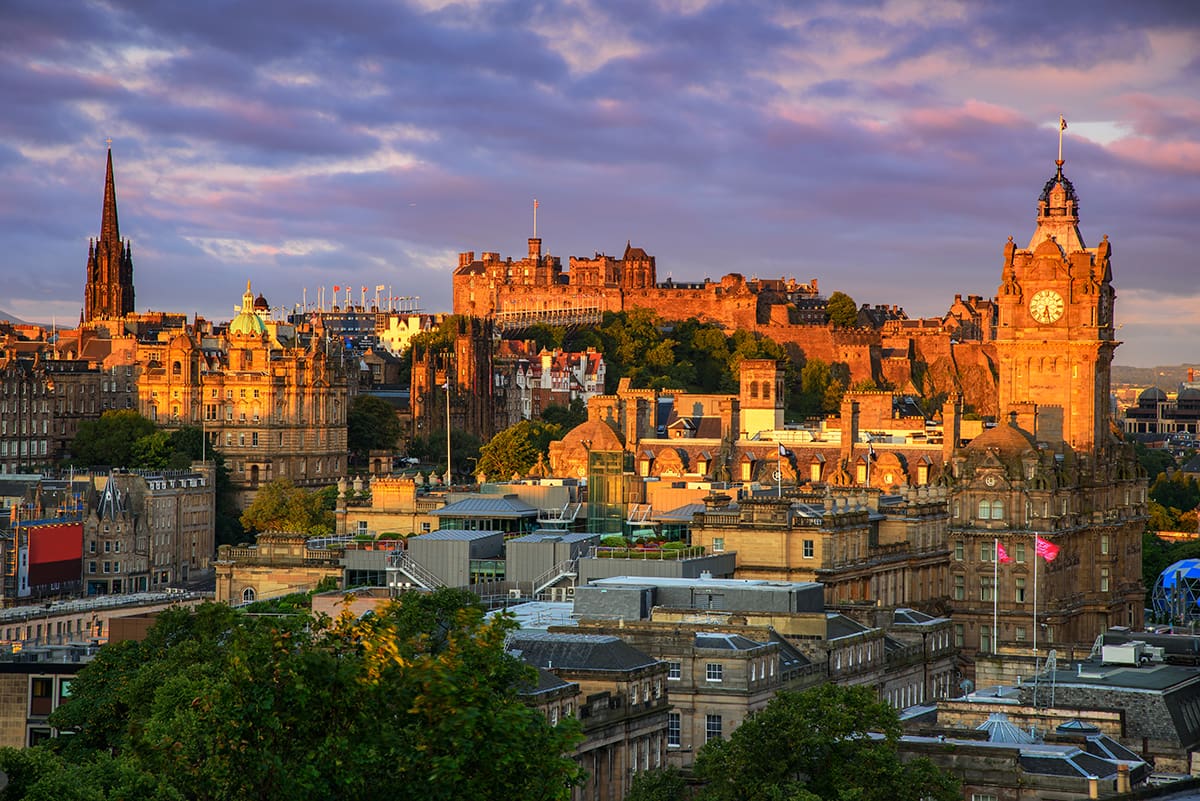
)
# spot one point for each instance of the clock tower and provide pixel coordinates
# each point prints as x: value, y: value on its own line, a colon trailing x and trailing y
x: 1054, y: 339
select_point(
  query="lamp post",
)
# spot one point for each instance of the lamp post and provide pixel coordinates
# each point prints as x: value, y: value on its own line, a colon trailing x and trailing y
x: 446, y: 387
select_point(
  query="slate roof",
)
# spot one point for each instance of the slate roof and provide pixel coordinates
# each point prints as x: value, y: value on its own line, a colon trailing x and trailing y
x: 841, y: 626
x: 548, y: 682
x: 577, y: 651
x: 1074, y: 763
x: 682, y: 514
x: 487, y: 506
x: 903, y: 615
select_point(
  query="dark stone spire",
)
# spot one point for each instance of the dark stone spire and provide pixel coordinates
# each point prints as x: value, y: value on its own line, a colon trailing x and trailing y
x: 109, y: 229
x: 108, y: 292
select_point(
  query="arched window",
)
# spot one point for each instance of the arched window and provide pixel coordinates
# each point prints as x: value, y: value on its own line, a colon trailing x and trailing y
x: 766, y: 390
x: 176, y: 368
x: 985, y: 510
x: 754, y: 390
x: 248, y: 595
x: 997, y: 510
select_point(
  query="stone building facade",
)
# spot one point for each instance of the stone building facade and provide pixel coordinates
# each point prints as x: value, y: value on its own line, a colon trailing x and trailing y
x: 279, y: 563
x: 271, y: 401
x: 145, y: 531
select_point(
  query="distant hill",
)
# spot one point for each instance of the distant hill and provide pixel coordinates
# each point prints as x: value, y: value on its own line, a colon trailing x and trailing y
x: 1165, y: 377
x: 11, y: 318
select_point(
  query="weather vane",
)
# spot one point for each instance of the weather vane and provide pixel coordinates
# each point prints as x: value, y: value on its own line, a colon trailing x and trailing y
x: 1062, y: 126
x: 108, y: 141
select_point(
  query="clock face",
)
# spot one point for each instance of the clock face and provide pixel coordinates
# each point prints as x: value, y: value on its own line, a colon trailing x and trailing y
x: 1046, y: 306
x: 990, y: 481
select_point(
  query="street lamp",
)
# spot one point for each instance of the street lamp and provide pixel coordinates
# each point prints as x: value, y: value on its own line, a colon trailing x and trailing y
x: 446, y: 387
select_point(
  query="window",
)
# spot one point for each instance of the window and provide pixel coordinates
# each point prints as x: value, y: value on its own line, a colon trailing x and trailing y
x: 1104, y: 579
x: 553, y: 716
x: 958, y: 635
x: 1019, y: 591
x: 1019, y: 553
x: 714, y: 671
x: 633, y: 695
x: 674, y: 671
x: 712, y: 727
x: 91, y: 567
x: 1104, y: 543
x: 985, y: 510
x: 41, y: 696
x: 983, y: 797
x: 985, y: 588
x: 960, y: 587
x: 248, y: 595
x: 985, y: 552
x: 997, y: 510
x: 985, y: 639
x: 718, y: 544
x: 674, y: 729
x: 809, y: 549
x: 958, y: 550
x: 1020, y: 634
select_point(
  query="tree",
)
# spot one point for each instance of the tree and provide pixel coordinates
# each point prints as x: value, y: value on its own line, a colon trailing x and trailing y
x: 517, y: 448
x: 566, y: 416
x: 371, y: 425
x: 282, y: 506
x: 842, y: 310
x: 828, y: 742
x: 419, y: 698
x: 658, y: 785
x: 110, y: 440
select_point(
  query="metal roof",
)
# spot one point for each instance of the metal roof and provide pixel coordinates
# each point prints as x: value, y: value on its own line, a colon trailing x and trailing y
x: 458, y: 535
x: 725, y: 642
x: 556, y: 536
x: 487, y: 506
x: 577, y: 651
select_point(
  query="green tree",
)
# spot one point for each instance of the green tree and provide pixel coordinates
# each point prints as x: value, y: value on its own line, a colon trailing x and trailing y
x: 1177, y: 491
x: 658, y: 785
x: 110, y: 440
x: 829, y: 742
x: 567, y: 417
x: 420, y: 698
x: 371, y: 424
x: 842, y: 310
x: 279, y: 505
x: 516, y: 449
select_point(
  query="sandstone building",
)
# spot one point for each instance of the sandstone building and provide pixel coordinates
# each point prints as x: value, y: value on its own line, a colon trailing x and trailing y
x: 108, y: 292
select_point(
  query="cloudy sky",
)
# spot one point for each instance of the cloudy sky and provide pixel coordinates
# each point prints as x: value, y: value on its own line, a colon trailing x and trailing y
x: 888, y: 149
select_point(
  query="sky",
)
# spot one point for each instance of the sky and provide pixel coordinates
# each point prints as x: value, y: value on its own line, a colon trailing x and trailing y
x: 887, y: 149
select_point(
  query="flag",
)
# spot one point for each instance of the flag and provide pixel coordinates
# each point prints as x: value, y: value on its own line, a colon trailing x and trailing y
x: 337, y: 288
x: 1062, y: 124
x: 782, y: 450
x: 380, y: 288
x: 1002, y: 554
x: 535, y: 203
x: 1046, y: 549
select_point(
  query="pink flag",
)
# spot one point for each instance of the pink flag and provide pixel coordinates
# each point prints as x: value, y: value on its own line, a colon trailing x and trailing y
x: 1046, y: 549
x: 1002, y: 554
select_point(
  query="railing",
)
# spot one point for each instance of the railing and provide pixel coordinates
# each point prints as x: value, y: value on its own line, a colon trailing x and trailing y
x: 403, y: 563
x: 656, y: 554
x: 567, y: 568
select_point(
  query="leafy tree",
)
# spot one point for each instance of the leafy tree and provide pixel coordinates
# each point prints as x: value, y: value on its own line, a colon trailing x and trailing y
x: 1154, y: 460
x: 517, y: 448
x: 1177, y: 491
x: 567, y: 417
x: 828, y: 742
x: 831, y: 401
x: 110, y: 440
x: 842, y: 310
x: 420, y: 698
x: 282, y: 506
x: 371, y: 424
x: 658, y: 785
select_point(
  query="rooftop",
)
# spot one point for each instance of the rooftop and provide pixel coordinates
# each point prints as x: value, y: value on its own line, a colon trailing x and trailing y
x: 577, y: 651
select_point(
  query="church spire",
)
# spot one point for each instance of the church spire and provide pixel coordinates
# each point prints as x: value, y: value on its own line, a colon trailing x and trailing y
x: 108, y: 292
x: 109, y: 229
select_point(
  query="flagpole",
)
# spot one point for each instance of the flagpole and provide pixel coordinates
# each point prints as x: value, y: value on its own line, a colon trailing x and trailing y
x: 1035, y: 594
x: 779, y: 470
x: 995, y: 591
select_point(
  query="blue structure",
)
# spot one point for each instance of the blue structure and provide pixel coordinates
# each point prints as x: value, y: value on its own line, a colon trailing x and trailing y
x: 1176, y: 594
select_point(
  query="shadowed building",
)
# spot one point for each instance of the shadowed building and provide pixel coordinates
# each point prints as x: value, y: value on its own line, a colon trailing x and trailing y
x: 109, y: 289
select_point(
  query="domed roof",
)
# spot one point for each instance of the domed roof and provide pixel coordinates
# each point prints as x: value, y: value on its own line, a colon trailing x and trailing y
x: 247, y: 323
x: 1152, y: 394
x: 1006, y: 439
x: 1191, y: 393
x: 260, y: 303
x: 1188, y: 569
x: 595, y: 435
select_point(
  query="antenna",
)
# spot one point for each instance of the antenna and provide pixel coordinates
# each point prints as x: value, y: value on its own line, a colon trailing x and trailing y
x: 1062, y: 126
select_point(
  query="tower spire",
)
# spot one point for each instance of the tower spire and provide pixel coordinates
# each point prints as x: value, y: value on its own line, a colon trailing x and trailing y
x: 109, y: 229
